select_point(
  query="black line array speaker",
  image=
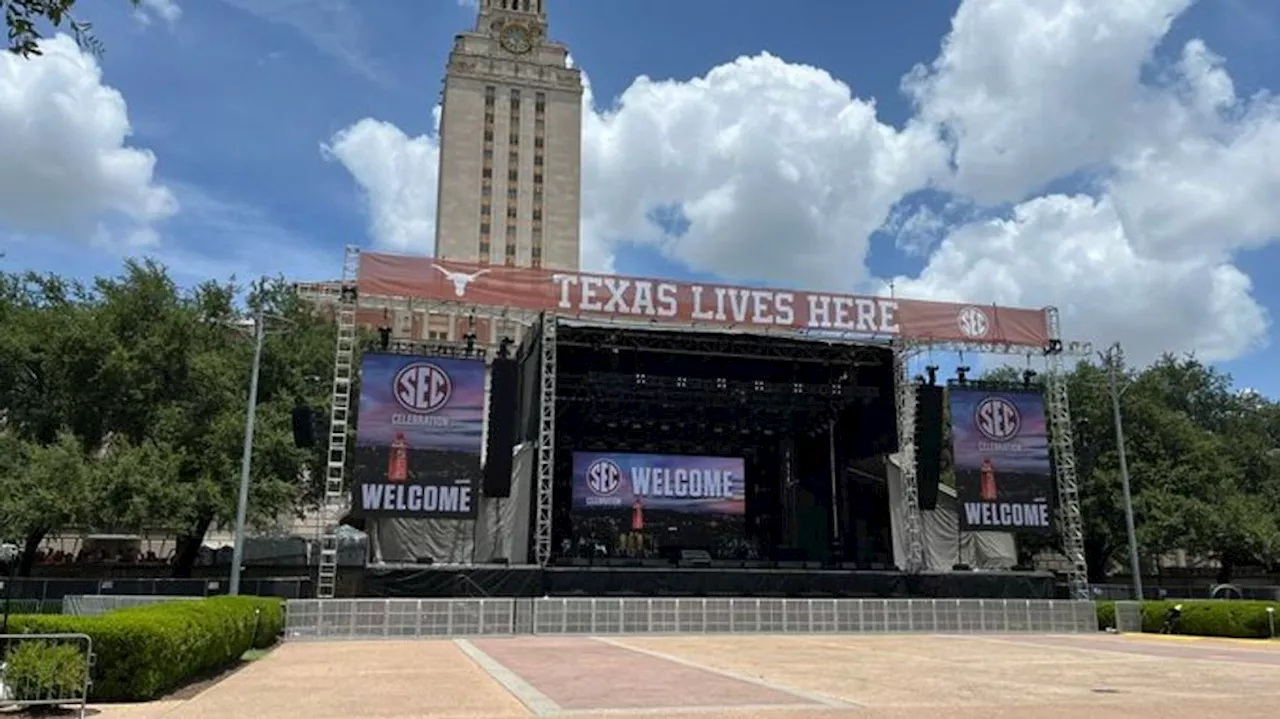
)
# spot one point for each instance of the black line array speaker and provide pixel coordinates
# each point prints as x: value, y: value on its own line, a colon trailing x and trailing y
x: 502, y: 428
x: 929, y: 438
x: 304, y: 427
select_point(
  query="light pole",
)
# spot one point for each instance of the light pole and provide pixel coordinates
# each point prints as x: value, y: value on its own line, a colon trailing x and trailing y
x: 1114, y: 357
x: 246, y: 460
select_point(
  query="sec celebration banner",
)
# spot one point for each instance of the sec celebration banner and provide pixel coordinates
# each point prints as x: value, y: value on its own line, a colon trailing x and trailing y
x: 418, y: 437
x: 698, y: 485
x: 1004, y: 481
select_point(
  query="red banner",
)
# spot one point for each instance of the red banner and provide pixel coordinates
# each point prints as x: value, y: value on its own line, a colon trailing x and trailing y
x: 584, y: 294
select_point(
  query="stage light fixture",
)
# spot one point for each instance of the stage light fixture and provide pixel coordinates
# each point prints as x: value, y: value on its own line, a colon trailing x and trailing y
x: 349, y: 294
x: 470, y: 339
x: 962, y: 374
x: 384, y: 338
x: 504, y: 347
x: 1028, y: 376
x: 932, y: 371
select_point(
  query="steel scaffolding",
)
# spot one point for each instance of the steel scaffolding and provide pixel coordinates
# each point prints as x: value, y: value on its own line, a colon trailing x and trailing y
x: 546, y: 440
x: 335, y: 496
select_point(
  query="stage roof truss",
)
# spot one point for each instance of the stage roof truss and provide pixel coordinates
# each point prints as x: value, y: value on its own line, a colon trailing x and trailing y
x: 697, y: 342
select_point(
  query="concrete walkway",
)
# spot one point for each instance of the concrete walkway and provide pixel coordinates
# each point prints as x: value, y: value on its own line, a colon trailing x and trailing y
x: 787, y: 677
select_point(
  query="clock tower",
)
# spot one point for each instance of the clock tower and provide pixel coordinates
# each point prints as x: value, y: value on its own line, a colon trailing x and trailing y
x: 510, y: 143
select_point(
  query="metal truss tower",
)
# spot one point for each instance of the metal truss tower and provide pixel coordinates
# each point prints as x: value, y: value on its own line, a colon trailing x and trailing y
x: 906, y: 398
x: 546, y: 441
x: 1058, y: 407
x: 335, y: 494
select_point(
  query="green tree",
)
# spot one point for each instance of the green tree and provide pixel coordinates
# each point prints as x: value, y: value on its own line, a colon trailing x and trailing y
x: 152, y: 381
x: 27, y: 20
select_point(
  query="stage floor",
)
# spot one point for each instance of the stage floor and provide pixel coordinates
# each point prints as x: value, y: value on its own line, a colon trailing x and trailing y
x: 714, y: 677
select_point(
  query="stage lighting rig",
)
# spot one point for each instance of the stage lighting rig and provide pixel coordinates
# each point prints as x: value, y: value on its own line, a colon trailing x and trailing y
x: 932, y: 371
x: 504, y: 348
x: 384, y: 338
x: 349, y: 294
x: 962, y: 374
x: 470, y: 339
x: 1028, y: 376
x: 1053, y: 347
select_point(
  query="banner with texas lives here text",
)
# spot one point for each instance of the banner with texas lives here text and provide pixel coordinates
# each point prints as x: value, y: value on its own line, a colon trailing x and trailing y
x: 418, y: 437
x: 1004, y: 480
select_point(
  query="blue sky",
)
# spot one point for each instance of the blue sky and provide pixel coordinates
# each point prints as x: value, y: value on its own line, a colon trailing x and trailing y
x: 236, y: 98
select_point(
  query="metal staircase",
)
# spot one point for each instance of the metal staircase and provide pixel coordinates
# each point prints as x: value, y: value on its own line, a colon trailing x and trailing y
x: 335, y: 490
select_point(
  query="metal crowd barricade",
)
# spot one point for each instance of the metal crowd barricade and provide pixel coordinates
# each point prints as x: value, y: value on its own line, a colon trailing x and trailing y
x: 1129, y: 617
x: 46, y: 670
x: 90, y: 605
x: 408, y: 618
x: 397, y: 618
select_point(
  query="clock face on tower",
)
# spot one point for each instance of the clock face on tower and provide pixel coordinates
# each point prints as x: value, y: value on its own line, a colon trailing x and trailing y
x: 516, y: 39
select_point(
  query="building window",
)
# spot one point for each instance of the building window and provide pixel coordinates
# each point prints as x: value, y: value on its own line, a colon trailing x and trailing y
x: 514, y: 139
x: 513, y: 175
x: 511, y: 211
x: 538, y: 142
x: 488, y: 118
x: 511, y: 193
x: 486, y: 209
x: 540, y: 103
x: 488, y: 135
x: 484, y: 228
x: 513, y: 158
x: 537, y: 160
x: 537, y: 213
x: 488, y: 153
x: 540, y: 125
x: 537, y: 178
x: 486, y: 190
x: 511, y: 231
x: 487, y: 173
x: 484, y: 251
x: 537, y: 195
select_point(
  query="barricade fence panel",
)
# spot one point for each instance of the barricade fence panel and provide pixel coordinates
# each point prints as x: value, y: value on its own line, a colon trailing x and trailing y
x: 404, y: 618
x: 91, y: 605
x: 1129, y: 617
x: 43, y: 671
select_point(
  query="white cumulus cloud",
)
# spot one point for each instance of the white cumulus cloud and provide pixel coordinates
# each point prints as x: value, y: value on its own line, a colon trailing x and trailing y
x: 67, y: 167
x: 166, y: 10
x: 783, y: 174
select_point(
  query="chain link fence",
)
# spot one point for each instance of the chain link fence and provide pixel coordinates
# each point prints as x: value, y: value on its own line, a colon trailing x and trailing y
x: 408, y: 618
x: 45, y: 671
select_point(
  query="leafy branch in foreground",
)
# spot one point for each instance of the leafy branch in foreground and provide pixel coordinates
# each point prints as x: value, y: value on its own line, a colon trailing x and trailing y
x: 24, y: 18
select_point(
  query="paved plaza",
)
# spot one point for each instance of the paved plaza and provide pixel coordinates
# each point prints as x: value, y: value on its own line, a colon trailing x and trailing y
x: 868, y: 677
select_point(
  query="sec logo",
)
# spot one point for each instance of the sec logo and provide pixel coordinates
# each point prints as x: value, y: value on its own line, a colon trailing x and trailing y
x: 422, y: 388
x: 973, y: 323
x: 997, y: 419
x: 604, y: 477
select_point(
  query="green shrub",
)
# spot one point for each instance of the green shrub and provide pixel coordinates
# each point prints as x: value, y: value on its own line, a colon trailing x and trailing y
x: 1106, y: 615
x: 45, y: 670
x: 144, y: 652
x: 1201, y: 617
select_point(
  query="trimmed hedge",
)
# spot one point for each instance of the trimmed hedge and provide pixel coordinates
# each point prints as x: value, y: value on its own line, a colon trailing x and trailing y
x: 145, y: 652
x: 1202, y: 617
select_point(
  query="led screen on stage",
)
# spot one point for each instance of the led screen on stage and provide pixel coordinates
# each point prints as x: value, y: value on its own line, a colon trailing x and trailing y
x: 694, y: 485
x: 1004, y: 481
x: 418, y: 437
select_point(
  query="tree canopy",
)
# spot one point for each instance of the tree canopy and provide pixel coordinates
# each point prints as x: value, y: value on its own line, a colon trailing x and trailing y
x: 124, y: 404
x: 27, y: 21
x: 1204, y: 465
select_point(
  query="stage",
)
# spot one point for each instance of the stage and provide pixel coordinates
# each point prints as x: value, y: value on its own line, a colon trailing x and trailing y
x: 418, y: 580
